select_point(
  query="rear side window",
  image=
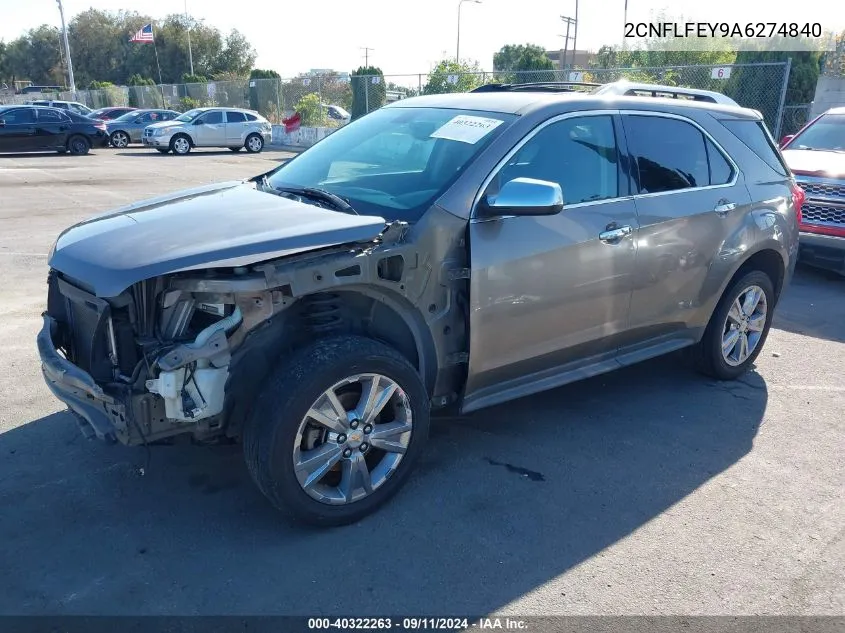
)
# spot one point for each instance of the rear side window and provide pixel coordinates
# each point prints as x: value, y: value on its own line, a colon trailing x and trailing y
x: 251, y: 117
x: 721, y: 171
x: 756, y: 137
x: 670, y: 154
x: 235, y: 117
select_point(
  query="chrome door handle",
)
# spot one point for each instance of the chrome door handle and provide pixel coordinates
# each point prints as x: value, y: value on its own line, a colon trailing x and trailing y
x: 614, y: 235
x: 725, y: 208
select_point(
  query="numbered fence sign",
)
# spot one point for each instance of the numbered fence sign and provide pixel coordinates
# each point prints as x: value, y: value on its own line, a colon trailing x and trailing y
x: 452, y: 79
x: 576, y: 76
x: 306, y: 82
x: 723, y: 72
x: 376, y: 80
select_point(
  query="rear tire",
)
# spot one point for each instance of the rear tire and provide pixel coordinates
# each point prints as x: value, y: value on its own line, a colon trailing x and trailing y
x: 354, y: 474
x: 180, y: 144
x: 738, y: 328
x: 254, y: 143
x: 119, y: 139
x: 78, y: 145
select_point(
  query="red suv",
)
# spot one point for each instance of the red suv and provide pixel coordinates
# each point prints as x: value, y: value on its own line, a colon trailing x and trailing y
x: 816, y: 155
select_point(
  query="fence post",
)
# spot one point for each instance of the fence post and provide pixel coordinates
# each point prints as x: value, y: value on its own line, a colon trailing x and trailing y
x: 279, y: 100
x: 779, y: 119
x: 367, y: 81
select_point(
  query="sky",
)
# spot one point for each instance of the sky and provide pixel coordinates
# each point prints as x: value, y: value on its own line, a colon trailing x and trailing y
x: 410, y: 37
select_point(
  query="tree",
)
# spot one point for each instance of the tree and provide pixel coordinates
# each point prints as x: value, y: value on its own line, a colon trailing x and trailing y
x: 368, y: 90
x: 524, y: 62
x: 35, y: 56
x: 237, y: 55
x: 310, y: 109
x: 450, y: 76
x: 760, y: 88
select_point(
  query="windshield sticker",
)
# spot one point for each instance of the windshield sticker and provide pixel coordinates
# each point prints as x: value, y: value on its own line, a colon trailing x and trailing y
x: 467, y: 129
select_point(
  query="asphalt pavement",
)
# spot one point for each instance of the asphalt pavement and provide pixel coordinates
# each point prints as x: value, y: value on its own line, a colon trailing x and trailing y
x: 648, y: 491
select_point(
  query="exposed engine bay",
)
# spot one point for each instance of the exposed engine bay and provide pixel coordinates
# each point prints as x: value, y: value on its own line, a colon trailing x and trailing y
x: 186, y: 352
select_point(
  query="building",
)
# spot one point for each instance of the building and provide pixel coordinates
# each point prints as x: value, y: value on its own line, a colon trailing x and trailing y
x: 582, y: 59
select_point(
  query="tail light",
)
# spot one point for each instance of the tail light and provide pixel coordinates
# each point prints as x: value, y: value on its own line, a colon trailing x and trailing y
x: 798, y: 196
x: 100, y: 126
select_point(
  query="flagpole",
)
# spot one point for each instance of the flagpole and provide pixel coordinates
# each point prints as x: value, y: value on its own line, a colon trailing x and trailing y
x: 160, y: 82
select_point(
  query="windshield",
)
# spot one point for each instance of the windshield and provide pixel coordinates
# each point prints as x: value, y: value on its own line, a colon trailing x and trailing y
x: 188, y: 116
x: 828, y: 133
x: 394, y: 162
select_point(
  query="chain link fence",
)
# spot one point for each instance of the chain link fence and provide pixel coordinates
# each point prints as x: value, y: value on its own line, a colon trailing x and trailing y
x: 795, y: 117
x: 332, y: 100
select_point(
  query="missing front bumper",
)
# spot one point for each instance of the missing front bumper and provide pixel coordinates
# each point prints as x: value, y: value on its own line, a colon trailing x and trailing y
x: 97, y: 412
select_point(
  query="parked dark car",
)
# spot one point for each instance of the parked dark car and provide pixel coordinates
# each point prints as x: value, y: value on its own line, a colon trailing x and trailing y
x: 38, y: 129
x: 816, y: 155
x: 446, y: 250
x: 108, y: 114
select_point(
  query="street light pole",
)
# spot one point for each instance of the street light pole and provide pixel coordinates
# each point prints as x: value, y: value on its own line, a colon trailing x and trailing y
x: 458, y: 51
x: 188, y: 26
x: 72, y: 84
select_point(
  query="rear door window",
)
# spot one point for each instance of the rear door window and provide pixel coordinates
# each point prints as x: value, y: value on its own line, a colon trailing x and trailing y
x: 50, y: 116
x: 235, y: 117
x: 670, y: 154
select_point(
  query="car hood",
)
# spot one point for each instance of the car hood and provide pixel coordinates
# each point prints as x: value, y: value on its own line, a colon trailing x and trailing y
x: 816, y: 162
x: 223, y: 225
x: 171, y: 123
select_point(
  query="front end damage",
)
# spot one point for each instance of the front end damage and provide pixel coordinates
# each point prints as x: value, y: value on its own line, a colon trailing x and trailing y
x: 185, y: 353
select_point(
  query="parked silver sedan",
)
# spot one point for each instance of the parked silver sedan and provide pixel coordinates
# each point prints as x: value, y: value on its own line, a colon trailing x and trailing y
x: 129, y: 128
x: 210, y: 127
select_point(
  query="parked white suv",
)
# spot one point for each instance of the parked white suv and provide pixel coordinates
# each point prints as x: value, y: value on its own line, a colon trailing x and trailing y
x: 210, y: 127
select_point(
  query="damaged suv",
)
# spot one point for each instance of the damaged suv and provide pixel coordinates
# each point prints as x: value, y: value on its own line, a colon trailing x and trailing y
x: 450, y: 251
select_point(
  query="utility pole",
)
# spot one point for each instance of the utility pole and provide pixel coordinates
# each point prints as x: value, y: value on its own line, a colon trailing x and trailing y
x: 569, y: 22
x: 575, y: 35
x: 188, y: 27
x: 367, y: 55
x: 72, y: 84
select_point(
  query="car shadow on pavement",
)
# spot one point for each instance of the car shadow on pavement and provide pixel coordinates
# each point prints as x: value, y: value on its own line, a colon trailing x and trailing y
x: 503, y: 501
x: 268, y: 153
x: 813, y: 305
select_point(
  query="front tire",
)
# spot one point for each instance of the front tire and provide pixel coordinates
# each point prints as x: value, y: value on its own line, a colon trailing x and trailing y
x: 254, y: 143
x: 78, y: 145
x: 336, y: 430
x: 180, y: 144
x: 738, y: 328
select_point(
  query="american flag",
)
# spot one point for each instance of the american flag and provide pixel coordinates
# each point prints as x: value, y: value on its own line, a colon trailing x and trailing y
x: 144, y: 35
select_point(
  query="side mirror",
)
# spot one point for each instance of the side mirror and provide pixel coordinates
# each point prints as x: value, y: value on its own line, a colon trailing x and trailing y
x: 786, y: 139
x: 524, y: 196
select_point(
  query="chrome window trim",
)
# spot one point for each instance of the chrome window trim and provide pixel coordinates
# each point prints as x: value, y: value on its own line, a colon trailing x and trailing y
x: 519, y: 146
x: 707, y: 135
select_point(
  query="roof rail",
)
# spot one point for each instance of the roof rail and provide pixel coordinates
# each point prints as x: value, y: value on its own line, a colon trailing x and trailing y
x: 546, y: 86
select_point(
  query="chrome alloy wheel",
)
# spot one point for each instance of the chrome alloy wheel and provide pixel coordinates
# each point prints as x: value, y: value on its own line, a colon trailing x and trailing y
x: 254, y: 143
x: 352, y: 439
x: 744, y: 326
x: 181, y: 145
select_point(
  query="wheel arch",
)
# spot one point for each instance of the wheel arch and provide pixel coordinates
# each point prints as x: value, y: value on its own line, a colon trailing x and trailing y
x: 373, y: 312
